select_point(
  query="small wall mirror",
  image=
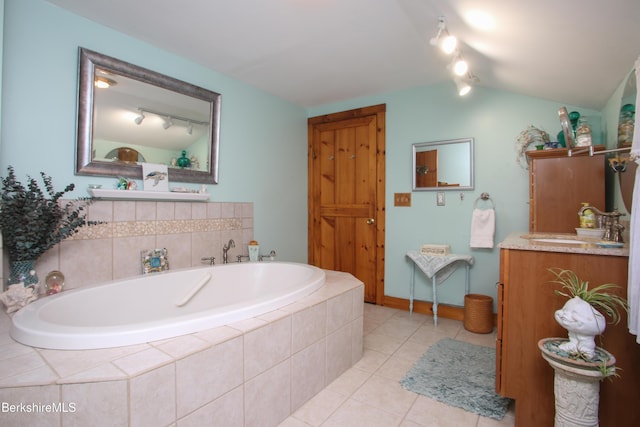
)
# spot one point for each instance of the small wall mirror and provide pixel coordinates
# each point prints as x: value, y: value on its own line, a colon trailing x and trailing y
x: 443, y: 165
x: 128, y: 114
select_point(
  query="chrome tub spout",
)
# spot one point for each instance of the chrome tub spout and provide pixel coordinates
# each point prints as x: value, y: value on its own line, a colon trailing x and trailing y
x: 225, y: 251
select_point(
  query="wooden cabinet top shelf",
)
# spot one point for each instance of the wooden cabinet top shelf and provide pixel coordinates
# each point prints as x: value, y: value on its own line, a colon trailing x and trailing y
x: 559, y: 152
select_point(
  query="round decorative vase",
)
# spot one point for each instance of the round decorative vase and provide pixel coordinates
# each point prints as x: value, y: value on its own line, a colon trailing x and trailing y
x: 576, y: 383
x: 23, y: 271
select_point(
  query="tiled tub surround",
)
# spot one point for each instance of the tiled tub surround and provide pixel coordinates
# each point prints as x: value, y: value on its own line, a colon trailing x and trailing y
x: 254, y: 372
x: 110, y: 251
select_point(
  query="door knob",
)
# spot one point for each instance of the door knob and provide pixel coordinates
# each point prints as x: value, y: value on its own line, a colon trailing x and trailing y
x: 371, y: 221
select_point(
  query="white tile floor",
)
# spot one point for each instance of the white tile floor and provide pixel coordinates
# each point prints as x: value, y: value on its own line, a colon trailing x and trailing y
x: 370, y: 395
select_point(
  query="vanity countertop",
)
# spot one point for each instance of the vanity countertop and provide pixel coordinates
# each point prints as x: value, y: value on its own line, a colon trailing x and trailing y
x: 559, y: 242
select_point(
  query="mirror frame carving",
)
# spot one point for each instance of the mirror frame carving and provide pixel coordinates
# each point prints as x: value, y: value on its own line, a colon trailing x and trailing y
x: 416, y: 148
x: 85, y: 165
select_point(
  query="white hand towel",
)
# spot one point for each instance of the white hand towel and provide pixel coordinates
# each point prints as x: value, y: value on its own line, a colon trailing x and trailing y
x: 483, y: 226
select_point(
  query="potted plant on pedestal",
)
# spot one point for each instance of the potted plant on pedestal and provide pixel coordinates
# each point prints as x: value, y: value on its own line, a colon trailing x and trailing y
x: 32, y: 221
x: 578, y: 363
x: 582, y: 314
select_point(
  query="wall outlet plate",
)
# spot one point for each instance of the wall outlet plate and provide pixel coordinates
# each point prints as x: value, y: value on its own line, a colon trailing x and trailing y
x: 440, y: 198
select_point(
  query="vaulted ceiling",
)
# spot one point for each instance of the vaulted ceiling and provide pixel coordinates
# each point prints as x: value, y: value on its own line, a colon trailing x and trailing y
x: 313, y: 52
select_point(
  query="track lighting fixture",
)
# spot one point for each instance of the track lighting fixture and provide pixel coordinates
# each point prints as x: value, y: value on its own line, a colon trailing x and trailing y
x: 460, y: 68
x: 140, y: 118
x: 169, y: 119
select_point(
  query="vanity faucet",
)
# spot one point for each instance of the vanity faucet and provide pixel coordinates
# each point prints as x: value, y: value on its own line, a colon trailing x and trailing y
x: 611, y: 223
x: 225, y: 251
x: 592, y: 208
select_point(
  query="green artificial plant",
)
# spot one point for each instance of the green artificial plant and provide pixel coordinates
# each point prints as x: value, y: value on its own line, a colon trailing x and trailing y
x: 32, y: 221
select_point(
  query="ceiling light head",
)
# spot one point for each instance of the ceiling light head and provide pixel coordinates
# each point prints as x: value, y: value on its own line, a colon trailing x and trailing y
x: 465, y: 84
x: 445, y: 41
x: 463, y: 87
x: 460, y: 66
x: 140, y: 118
x: 104, y: 83
x: 448, y: 44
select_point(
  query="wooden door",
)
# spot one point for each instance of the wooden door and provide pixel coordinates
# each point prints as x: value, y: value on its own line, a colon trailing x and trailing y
x: 427, y: 168
x: 346, y: 195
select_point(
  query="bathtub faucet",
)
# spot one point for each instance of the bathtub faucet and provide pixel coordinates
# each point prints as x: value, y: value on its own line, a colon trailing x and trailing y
x: 225, y: 251
x: 210, y: 259
x: 271, y: 256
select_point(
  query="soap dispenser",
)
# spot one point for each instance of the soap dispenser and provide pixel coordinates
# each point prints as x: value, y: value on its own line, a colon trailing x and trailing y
x: 586, y: 216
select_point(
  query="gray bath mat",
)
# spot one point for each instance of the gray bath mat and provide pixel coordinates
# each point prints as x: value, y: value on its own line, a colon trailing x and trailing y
x: 458, y: 374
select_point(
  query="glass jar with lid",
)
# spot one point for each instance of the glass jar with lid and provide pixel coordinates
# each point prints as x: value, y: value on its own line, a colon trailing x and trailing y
x: 583, y: 133
x: 626, y: 124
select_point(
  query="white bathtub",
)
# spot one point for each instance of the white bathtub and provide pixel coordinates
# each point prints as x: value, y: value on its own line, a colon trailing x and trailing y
x: 148, y: 308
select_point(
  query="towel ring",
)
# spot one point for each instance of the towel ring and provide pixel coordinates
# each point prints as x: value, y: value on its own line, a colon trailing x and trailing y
x: 486, y: 197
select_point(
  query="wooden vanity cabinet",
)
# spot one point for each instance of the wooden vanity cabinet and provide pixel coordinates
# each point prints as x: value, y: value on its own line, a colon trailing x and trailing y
x: 526, y: 306
x: 558, y: 184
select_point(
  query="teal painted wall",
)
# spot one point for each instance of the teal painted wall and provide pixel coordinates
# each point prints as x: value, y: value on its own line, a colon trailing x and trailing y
x: 494, y: 119
x: 262, y: 139
x: 263, y: 142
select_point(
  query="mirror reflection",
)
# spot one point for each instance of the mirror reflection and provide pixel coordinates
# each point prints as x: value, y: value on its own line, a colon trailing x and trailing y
x: 128, y: 115
x: 625, y: 138
x: 443, y: 165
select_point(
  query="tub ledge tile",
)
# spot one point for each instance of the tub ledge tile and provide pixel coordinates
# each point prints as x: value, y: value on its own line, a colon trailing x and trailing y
x: 248, y: 324
x: 43, y: 375
x: 218, y: 335
x: 104, y: 372
x: 181, y: 346
x: 143, y: 361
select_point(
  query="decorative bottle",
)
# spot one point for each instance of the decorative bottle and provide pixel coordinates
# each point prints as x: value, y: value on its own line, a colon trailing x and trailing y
x: 586, y: 217
x: 184, y: 161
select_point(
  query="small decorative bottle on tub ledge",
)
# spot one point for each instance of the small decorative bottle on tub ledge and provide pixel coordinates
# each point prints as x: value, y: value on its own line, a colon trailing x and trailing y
x: 254, y: 250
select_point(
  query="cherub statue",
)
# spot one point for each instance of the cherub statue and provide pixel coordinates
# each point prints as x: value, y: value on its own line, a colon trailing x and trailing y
x: 583, y: 323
